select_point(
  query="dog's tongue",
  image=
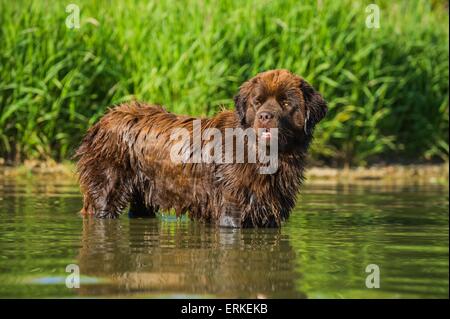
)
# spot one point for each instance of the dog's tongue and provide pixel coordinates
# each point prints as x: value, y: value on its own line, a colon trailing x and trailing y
x: 266, y: 134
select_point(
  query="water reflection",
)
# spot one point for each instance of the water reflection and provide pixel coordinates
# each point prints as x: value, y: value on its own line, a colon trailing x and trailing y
x: 322, y: 251
x: 150, y: 256
x: 403, y: 229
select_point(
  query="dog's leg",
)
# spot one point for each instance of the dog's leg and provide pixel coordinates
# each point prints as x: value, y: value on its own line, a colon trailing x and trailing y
x: 105, y: 193
x: 139, y: 209
x: 88, y: 206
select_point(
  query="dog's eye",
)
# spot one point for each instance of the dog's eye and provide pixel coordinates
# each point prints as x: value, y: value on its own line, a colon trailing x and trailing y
x: 285, y: 103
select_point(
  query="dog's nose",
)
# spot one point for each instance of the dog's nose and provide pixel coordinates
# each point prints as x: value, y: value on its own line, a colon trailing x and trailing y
x: 265, y: 116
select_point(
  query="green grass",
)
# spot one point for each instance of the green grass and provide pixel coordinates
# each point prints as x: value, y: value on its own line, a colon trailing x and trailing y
x: 387, y: 88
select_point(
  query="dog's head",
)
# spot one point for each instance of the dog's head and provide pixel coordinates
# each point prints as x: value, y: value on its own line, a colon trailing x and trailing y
x: 280, y: 99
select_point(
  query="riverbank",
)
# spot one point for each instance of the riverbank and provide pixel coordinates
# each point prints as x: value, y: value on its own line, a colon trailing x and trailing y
x: 433, y: 174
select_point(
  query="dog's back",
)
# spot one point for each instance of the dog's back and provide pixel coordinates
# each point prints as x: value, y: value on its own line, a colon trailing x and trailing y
x: 125, y: 158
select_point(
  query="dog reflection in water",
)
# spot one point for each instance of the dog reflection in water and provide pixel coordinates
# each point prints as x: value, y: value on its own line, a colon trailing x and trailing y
x: 150, y: 257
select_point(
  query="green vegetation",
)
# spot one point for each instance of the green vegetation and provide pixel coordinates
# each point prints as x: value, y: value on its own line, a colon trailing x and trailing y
x: 387, y: 88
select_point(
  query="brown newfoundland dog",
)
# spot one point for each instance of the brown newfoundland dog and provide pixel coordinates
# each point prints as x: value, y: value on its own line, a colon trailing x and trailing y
x: 128, y: 157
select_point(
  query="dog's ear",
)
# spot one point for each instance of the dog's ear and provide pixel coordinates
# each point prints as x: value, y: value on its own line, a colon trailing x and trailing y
x: 240, y: 102
x: 315, y: 107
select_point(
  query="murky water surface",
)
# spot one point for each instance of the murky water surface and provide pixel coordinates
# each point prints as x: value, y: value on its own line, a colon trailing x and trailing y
x: 321, y: 252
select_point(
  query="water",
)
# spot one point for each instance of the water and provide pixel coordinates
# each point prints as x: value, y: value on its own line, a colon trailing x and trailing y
x: 321, y: 252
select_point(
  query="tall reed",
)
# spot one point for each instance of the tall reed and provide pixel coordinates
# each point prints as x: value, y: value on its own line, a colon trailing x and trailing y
x: 387, y: 88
